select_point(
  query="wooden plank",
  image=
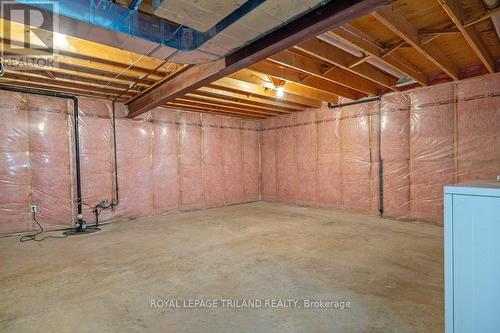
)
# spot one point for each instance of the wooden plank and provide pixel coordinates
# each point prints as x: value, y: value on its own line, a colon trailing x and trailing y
x: 76, y: 47
x: 486, y: 15
x: 94, y: 64
x: 238, y: 106
x: 320, y: 69
x: 217, y: 106
x: 343, y: 59
x: 213, y: 109
x: 244, y: 99
x: 352, y: 37
x: 288, y: 86
x: 292, y: 75
x: 232, y: 84
x: 58, y: 84
x: 403, y: 28
x: 319, y: 20
x: 176, y: 107
x: 248, y: 98
x: 455, y: 11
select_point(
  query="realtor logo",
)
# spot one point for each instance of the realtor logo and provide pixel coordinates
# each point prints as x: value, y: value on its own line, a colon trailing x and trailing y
x: 28, y: 34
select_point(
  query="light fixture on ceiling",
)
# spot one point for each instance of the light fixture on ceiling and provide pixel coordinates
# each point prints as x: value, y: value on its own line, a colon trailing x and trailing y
x: 280, y: 91
x: 60, y: 41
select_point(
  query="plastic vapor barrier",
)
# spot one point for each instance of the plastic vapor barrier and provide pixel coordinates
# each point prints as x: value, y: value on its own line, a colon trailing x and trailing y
x: 405, y: 148
x: 167, y: 161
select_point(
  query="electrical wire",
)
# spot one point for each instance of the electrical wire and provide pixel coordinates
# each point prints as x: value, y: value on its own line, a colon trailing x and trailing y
x: 32, y: 237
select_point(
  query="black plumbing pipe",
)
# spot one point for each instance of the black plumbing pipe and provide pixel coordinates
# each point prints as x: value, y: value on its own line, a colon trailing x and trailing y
x: 381, y: 163
x: 76, y: 129
x: 361, y: 101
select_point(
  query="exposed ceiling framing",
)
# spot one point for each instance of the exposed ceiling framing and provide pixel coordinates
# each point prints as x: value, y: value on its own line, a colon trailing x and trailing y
x: 426, y: 41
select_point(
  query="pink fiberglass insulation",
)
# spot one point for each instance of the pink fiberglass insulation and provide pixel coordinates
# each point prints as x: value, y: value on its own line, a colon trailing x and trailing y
x: 306, y: 169
x: 285, y: 159
x: 14, y: 164
x: 268, y: 158
x: 251, y: 162
x: 213, y: 164
x: 355, y: 149
x: 329, y: 166
x: 134, y: 148
x: 395, y: 150
x: 421, y: 150
x: 190, y: 161
x: 96, y: 144
x: 165, y: 164
x: 50, y: 159
x: 478, y: 133
x: 431, y: 150
x: 233, y: 160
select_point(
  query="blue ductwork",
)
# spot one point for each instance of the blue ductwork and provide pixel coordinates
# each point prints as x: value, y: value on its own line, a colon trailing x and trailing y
x: 108, y: 15
x: 135, y: 4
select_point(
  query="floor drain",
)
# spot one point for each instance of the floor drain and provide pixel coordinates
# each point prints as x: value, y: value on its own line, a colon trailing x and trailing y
x: 78, y: 233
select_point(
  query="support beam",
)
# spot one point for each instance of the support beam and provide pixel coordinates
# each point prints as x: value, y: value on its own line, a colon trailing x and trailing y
x: 288, y: 87
x: 335, y: 56
x: 238, y: 85
x: 202, y: 106
x: 325, y: 71
x: 320, y: 20
x: 214, y: 101
x: 455, y: 11
x: 308, y: 80
x: 240, y: 97
x: 403, y: 28
x: 486, y: 15
x: 354, y: 38
x: 177, y: 107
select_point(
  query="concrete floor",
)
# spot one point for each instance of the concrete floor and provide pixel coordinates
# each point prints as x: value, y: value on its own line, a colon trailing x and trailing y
x: 391, y: 272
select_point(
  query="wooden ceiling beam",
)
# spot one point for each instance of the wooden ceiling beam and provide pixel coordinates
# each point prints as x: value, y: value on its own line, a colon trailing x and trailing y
x: 319, y: 20
x: 456, y: 13
x: 112, y: 68
x: 21, y: 82
x: 289, y: 87
x: 214, y: 92
x: 58, y: 84
x: 325, y: 71
x: 352, y: 37
x: 404, y: 29
x: 291, y: 75
x: 335, y: 56
x: 76, y: 47
x: 202, y: 103
x: 237, y: 85
x: 486, y: 15
x: 207, y: 109
x: 175, y: 107
x: 242, y: 106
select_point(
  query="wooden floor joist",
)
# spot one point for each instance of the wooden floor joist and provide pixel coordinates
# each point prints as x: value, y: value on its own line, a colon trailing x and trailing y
x: 456, y: 13
x: 402, y: 28
x: 343, y: 59
x: 350, y: 36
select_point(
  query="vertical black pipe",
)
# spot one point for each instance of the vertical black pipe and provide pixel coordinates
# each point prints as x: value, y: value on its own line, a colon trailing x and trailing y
x: 76, y: 129
x: 381, y: 167
x: 77, y: 156
x: 117, y: 190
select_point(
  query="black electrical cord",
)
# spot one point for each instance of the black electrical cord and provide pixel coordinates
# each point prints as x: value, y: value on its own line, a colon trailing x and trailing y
x: 32, y: 237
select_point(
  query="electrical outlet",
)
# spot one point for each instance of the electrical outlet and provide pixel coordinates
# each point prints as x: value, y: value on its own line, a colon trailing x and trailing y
x: 33, y: 208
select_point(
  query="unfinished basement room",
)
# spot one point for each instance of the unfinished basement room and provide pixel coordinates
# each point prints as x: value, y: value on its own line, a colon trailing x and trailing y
x: 250, y: 166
